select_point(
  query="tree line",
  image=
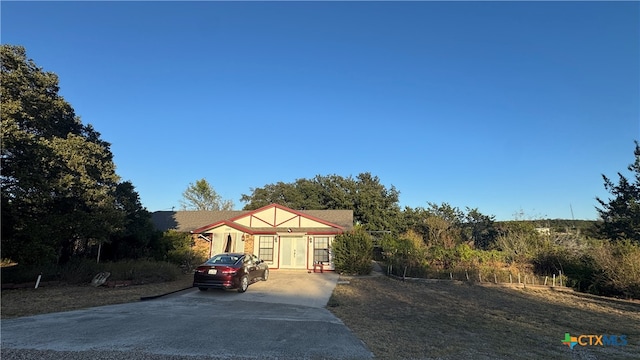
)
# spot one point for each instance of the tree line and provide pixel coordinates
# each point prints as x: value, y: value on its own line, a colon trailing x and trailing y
x: 60, y: 192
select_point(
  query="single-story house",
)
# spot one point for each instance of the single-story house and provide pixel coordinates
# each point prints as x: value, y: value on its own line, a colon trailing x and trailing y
x: 284, y: 238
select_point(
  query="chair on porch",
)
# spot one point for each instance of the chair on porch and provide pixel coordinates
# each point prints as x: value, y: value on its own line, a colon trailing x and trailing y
x: 318, y: 264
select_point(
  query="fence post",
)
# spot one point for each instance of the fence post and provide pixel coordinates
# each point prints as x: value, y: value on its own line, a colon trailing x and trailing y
x: 510, y: 279
x: 554, y: 280
x: 479, y: 276
x: 519, y: 278
x: 404, y: 274
x: 495, y: 278
x: 467, y: 274
x: 450, y: 275
x: 545, y: 280
x: 560, y: 271
x: 38, y: 280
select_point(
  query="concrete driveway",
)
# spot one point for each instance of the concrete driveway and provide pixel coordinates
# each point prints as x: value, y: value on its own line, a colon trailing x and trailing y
x: 283, y: 287
x: 282, y: 318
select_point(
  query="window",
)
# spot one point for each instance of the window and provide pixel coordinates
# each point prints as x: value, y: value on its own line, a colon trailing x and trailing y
x: 265, y: 250
x: 321, y: 249
x: 223, y: 259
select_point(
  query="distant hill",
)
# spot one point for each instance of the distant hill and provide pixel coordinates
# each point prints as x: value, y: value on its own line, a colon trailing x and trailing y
x: 586, y: 227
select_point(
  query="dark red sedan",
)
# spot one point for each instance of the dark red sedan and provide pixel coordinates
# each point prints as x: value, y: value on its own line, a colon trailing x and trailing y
x: 230, y: 271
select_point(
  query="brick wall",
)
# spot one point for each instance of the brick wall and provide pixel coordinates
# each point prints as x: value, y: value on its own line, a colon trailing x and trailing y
x: 248, y: 243
x: 201, y: 247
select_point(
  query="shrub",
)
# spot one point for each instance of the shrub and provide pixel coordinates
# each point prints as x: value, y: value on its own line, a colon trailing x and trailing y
x: 79, y: 270
x: 353, y: 252
x: 82, y: 271
x: 406, y: 252
x: 181, y: 251
x: 519, y: 241
x: 143, y: 271
x: 19, y: 274
x: 551, y: 261
x: 618, y: 266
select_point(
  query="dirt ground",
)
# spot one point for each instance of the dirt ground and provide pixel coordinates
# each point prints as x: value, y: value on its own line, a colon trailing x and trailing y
x: 54, y: 298
x: 410, y: 320
x: 456, y: 320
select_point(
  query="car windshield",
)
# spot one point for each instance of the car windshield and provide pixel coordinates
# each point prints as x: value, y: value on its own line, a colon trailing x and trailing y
x: 223, y: 260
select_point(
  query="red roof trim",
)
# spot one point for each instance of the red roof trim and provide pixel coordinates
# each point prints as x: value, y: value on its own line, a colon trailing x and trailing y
x: 224, y: 222
x: 231, y: 222
x: 278, y: 206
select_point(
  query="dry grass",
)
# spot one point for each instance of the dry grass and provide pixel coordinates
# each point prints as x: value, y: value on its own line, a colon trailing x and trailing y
x: 408, y: 320
x: 454, y: 320
x: 24, y: 302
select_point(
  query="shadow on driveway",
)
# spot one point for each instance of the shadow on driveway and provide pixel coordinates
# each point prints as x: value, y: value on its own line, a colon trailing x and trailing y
x: 282, y: 318
x: 283, y: 287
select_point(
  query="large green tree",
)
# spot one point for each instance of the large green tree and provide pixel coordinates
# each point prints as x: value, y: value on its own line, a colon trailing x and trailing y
x: 202, y: 196
x: 621, y: 213
x: 58, y: 177
x: 374, y: 206
x: 480, y: 229
x: 137, y: 235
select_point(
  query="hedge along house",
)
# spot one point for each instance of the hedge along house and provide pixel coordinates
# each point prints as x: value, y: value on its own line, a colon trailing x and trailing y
x: 284, y: 238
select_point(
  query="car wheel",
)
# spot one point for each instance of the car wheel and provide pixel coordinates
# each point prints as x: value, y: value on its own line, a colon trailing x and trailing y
x: 244, y: 284
x: 203, y: 289
x: 265, y: 275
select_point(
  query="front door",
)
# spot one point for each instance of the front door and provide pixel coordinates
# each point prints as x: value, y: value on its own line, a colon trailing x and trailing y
x: 293, y: 252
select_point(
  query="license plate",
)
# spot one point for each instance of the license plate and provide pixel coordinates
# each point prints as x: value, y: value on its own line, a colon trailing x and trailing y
x: 213, y: 271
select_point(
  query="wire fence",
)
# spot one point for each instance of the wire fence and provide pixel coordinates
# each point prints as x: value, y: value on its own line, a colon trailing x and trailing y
x: 486, y: 275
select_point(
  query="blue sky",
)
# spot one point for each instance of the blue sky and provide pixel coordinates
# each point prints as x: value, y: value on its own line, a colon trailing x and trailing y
x: 507, y: 107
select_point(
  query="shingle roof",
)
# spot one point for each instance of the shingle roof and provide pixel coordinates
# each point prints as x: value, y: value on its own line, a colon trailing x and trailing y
x: 343, y: 218
x: 185, y: 221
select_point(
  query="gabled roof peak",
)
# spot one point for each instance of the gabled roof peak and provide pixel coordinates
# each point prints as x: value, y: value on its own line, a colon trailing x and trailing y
x: 269, y: 216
